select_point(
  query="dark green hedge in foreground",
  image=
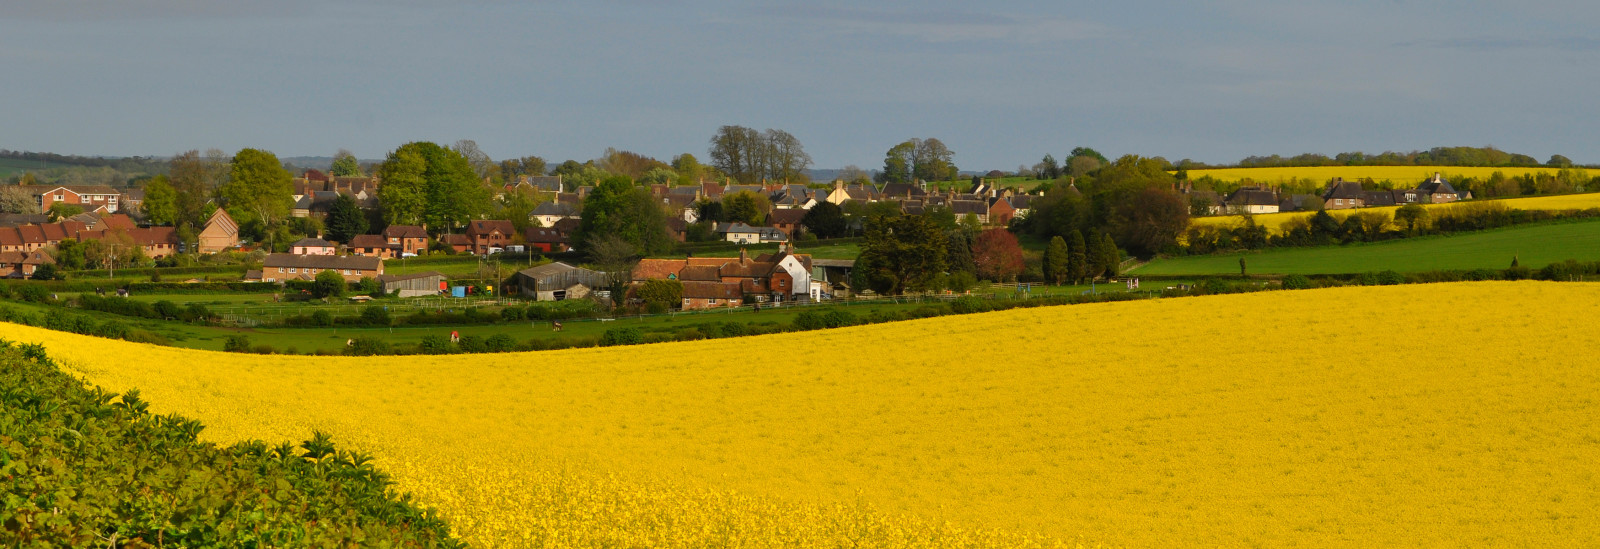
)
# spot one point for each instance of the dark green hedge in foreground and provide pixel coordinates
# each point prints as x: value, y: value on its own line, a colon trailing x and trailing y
x: 81, y: 467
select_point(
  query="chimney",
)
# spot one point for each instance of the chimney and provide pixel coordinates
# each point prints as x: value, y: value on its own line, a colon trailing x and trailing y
x: 744, y: 256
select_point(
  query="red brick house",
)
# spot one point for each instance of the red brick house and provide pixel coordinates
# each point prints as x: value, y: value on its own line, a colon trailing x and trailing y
x: 22, y: 264
x: 372, y: 245
x: 90, y: 197
x: 408, y: 239
x: 489, y: 233
x: 709, y: 295
x: 786, y: 220
x: 547, y: 239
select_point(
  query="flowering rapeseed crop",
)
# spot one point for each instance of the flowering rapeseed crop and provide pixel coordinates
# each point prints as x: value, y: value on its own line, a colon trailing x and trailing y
x: 1424, y: 415
x: 1400, y: 175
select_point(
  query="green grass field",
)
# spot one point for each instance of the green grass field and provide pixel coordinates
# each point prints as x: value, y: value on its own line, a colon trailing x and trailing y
x: 1534, y: 247
x: 305, y: 340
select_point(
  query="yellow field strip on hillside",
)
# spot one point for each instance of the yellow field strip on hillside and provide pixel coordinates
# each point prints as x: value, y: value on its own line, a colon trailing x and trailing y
x: 1275, y: 221
x: 1271, y: 419
x: 1401, y: 175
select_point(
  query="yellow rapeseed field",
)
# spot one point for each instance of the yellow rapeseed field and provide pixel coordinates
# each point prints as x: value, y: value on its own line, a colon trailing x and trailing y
x: 1403, y: 416
x: 1275, y: 222
x: 1401, y: 175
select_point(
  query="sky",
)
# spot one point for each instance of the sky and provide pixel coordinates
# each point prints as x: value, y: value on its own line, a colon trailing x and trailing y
x: 1000, y: 83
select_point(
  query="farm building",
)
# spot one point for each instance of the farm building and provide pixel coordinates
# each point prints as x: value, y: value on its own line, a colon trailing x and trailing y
x: 413, y: 285
x: 557, y: 281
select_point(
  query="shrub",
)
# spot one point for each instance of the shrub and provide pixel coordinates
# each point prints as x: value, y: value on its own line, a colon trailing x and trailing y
x: 733, y: 329
x: 1390, y: 278
x: 809, y: 320
x: 968, y: 304
x: 322, y: 318
x: 435, y: 345
x: 472, y: 344
x: 500, y: 343
x: 236, y: 344
x: 838, y: 318
x: 329, y: 283
x: 375, y: 315
x: 366, y: 346
x: 1297, y: 282
x: 622, y: 336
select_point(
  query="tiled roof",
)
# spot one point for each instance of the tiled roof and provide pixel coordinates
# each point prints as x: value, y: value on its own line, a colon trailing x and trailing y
x: 354, y: 262
x: 711, y: 290
x: 404, y: 231
x: 368, y: 241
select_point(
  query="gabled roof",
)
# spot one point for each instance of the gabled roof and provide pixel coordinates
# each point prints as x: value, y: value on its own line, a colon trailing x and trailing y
x: 545, y: 235
x: 222, y: 222
x: 1342, y: 189
x: 550, y: 183
x: 964, y: 207
x: 489, y: 226
x: 387, y: 278
x: 791, y: 216
x: 311, y: 242
x: 1437, y: 185
x: 648, y: 269
x: 712, y: 290
x: 700, y: 272
x: 368, y: 241
x: 404, y: 231
x: 567, y: 225
x: 1252, y: 196
x: 353, y: 262
x: 903, y: 190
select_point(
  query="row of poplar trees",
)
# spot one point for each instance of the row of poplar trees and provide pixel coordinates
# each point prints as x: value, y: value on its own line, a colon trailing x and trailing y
x: 1072, y: 260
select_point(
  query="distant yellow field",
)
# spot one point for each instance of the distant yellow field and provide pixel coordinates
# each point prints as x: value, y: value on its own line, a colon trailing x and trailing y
x: 1275, y: 222
x: 1271, y: 419
x: 1401, y: 175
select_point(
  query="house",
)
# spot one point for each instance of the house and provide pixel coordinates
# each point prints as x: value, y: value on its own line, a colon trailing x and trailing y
x: 408, y: 239
x: 313, y: 246
x: 547, y: 239
x: 787, y: 221
x: 548, y: 213
x: 779, y: 277
x: 132, y: 200
x: 710, y: 295
x: 19, y: 219
x: 28, y: 238
x: 458, y: 243
x: 558, y: 281
x: 1253, y: 200
x: 976, y: 208
x: 842, y: 193
x: 489, y: 233
x: 283, y: 267
x: 89, y: 197
x: 413, y: 285
x: 1001, y: 211
x: 745, y: 234
x: 1342, y: 194
x: 220, y: 233
x: 23, y: 264
x: 1438, y: 191
x: 373, y: 245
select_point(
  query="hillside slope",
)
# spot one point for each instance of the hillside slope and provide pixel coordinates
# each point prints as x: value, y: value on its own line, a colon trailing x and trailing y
x: 1421, y: 415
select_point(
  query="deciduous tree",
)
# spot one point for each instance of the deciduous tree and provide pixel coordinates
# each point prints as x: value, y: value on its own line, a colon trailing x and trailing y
x: 160, y: 201
x: 345, y: 165
x: 258, y: 188
x: 998, y: 255
x: 424, y: 183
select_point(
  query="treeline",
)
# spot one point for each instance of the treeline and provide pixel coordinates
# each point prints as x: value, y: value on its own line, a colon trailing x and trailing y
x: 77, y: 458
x: 1437, y: 156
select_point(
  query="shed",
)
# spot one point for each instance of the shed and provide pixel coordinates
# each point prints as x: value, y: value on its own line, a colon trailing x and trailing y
x: 558, y: 281
x: 412, y: 285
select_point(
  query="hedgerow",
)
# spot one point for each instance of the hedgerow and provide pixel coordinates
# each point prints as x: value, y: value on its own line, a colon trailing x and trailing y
x: 82, y: 467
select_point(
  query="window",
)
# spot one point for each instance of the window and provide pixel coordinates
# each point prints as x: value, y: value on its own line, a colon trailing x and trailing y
x: 711, y: 301
x: 291, y: 270
x: 347, y: 272
x: 280, y: 269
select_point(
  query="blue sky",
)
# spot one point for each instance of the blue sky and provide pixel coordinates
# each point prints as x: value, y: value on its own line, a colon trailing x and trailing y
x: 1001, y: 83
